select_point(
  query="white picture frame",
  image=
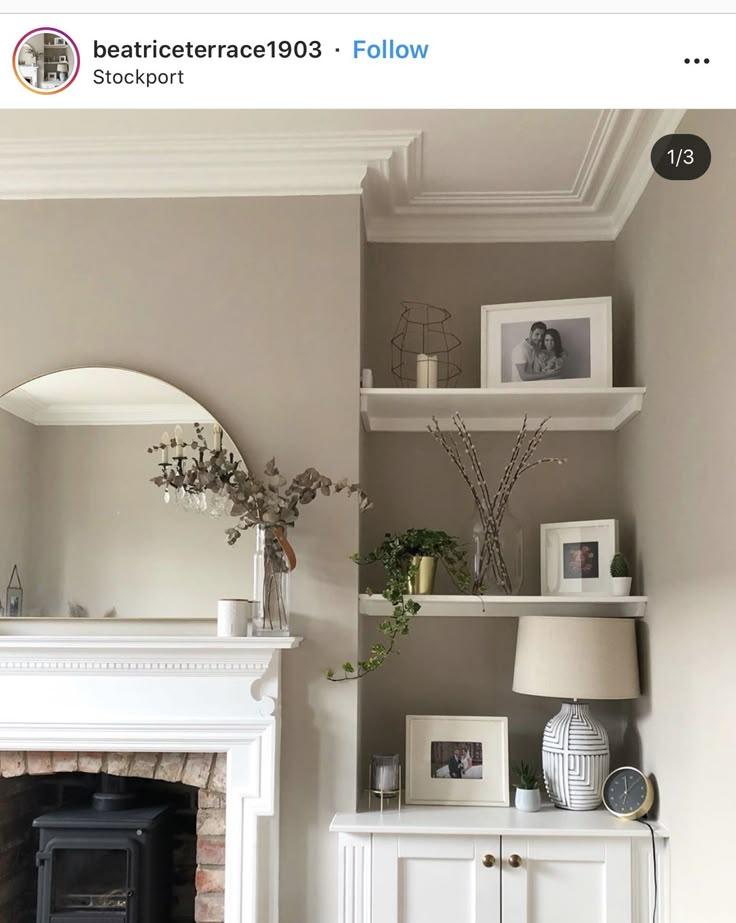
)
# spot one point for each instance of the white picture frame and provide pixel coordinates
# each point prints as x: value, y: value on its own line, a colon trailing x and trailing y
x: 584, y: 337
x: 568, y: 549
x: 431, y: 741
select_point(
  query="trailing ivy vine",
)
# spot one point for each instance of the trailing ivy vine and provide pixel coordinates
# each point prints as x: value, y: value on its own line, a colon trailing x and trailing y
x: 396, y: 554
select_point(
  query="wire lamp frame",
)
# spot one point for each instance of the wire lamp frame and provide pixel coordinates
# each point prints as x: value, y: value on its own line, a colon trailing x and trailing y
x: 421, y: 330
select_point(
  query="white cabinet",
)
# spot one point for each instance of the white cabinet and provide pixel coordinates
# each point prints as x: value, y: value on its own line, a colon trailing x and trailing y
x: 420, y: 878
x: 560, y: 879
x: 496, y: 865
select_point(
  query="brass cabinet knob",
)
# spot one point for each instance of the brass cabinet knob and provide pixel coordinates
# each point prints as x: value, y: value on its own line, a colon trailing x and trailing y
x: 514, y: 861
x: 489, y: 861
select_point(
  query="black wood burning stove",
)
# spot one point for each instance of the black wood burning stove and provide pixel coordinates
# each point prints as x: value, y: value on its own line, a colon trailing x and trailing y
x: 106, y: 863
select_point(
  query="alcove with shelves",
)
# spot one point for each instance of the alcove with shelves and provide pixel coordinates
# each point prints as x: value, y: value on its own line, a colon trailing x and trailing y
x: 459, y: 655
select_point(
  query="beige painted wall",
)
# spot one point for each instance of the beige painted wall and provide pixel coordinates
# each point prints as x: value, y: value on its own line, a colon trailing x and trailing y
x: 676, y: 279
x: 466, y: 666
x: 16, y: 481
x: 252, y: 307
x: 102, y: 536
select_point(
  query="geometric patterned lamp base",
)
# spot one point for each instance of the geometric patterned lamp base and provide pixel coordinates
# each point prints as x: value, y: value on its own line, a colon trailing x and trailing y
x: 575, y: 758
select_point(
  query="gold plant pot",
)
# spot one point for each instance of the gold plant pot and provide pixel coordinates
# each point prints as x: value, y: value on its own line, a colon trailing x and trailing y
x: 422, y: 582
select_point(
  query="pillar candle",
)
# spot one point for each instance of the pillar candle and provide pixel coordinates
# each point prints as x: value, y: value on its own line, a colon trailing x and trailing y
x: 426, y: 371
x: 233, y: 616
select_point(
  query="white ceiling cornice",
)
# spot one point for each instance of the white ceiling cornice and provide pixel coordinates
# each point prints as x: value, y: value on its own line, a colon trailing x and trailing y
x: 384, y: 166
x: 611, y: 178
x: 322, y: 163
x: 24, y: 405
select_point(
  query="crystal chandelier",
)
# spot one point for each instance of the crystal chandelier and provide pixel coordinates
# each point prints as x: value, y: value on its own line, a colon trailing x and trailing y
x: 197, y: 482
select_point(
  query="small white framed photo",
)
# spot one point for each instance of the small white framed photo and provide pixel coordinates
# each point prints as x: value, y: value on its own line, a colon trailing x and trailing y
x: 563, y: 344
x: 455, y: 760
x: 576, y: 557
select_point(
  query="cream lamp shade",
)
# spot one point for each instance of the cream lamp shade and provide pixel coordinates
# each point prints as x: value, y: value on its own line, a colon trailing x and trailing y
x: 576, y: 658
x: 565, y: 657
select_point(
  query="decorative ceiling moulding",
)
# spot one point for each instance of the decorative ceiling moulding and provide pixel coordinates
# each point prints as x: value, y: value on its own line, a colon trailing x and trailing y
x: 613, y: 174
x: 195, y: 166
x: 33, y: 411
x: 384, y: 166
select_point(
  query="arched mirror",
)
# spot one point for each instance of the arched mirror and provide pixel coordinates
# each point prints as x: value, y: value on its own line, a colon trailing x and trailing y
x: 85, y: 531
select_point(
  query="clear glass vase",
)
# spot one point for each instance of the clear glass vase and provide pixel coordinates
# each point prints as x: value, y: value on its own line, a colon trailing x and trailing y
x: 499, y: 570
x: 271, y: 576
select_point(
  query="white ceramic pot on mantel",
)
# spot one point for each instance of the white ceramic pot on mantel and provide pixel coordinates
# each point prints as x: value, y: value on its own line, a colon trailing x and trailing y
x: 528, y: 799
x: 621, y: 586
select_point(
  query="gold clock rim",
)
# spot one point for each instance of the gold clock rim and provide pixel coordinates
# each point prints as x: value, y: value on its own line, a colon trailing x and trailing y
x: 645, y: 806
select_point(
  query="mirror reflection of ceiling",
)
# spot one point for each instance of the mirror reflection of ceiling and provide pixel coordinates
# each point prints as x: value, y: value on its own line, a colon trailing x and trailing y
x: 99, y: 397
x: 88, y: 531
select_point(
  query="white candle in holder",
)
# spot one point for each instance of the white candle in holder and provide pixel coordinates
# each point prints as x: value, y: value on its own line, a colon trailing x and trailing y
x: 165, y: 449
x: 233, y: 616
x: 426, y: 371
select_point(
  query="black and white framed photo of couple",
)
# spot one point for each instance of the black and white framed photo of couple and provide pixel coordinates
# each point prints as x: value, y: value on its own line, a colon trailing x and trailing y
x: 564, y: 344
x: 456, y: 760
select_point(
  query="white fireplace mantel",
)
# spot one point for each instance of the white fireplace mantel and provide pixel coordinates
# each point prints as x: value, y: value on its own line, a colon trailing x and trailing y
x: 158, y: 690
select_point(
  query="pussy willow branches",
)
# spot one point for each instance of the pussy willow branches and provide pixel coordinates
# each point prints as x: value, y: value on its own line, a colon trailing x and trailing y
x: 491, y: 508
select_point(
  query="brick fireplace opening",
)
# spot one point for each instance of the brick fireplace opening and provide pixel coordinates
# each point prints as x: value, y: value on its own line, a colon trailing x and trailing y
x: 191, y: 784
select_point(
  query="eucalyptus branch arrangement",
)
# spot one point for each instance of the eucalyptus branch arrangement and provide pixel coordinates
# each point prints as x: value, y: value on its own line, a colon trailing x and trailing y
x: 270, y: 500
x: 491, y: 507
x: 399, y: 554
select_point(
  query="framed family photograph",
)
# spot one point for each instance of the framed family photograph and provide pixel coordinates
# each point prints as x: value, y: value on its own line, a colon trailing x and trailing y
x: 576, y: 556
x: 564, y: 344
x: 452, y: 760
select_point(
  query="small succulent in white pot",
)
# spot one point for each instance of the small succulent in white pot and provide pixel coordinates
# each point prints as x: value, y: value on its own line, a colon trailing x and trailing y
x: 528, y: 797
x: 620, y: 575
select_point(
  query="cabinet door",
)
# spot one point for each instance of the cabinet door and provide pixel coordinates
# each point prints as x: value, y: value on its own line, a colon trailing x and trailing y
x: 436, y: 879
x: 561, y: 879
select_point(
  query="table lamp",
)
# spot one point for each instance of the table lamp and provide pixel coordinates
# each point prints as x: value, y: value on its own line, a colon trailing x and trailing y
x: 565, y: 657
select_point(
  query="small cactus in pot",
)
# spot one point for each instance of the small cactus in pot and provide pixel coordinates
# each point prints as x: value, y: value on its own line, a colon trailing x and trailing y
x: 620, y: 575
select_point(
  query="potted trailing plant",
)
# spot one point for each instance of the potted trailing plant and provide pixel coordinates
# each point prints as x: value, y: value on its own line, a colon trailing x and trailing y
x: 401, y: 555
x: 620, y: 575
x: 528, y: 797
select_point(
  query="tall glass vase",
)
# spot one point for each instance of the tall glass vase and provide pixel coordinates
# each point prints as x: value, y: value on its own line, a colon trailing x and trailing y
x: 498, y: 570
x: 273, y: 562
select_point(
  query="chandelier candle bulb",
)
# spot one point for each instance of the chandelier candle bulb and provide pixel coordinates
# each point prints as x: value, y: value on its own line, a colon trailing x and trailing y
x: 179, y: 437
x: 165, y: 449
x: 218, y: 437
x: 426, y: 371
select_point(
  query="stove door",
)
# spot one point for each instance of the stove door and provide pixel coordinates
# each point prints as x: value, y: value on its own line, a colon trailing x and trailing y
x: 88, y: 880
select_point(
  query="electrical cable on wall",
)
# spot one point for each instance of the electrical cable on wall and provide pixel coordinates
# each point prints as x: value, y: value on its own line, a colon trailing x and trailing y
x: 654, y: 866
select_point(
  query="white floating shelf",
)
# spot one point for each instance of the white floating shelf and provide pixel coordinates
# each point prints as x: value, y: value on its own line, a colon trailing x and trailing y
x: 409, y: 410
x: 512, y: 606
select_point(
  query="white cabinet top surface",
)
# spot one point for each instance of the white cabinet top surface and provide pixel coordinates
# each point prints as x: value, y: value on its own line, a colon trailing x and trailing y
x: 470, y: 821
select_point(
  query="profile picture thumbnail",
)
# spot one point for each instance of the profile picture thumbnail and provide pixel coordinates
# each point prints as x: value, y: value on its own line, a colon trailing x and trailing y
x: 46, y: 61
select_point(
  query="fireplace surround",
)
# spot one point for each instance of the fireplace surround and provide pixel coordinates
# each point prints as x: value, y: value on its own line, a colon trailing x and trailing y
x: 140, y: 697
